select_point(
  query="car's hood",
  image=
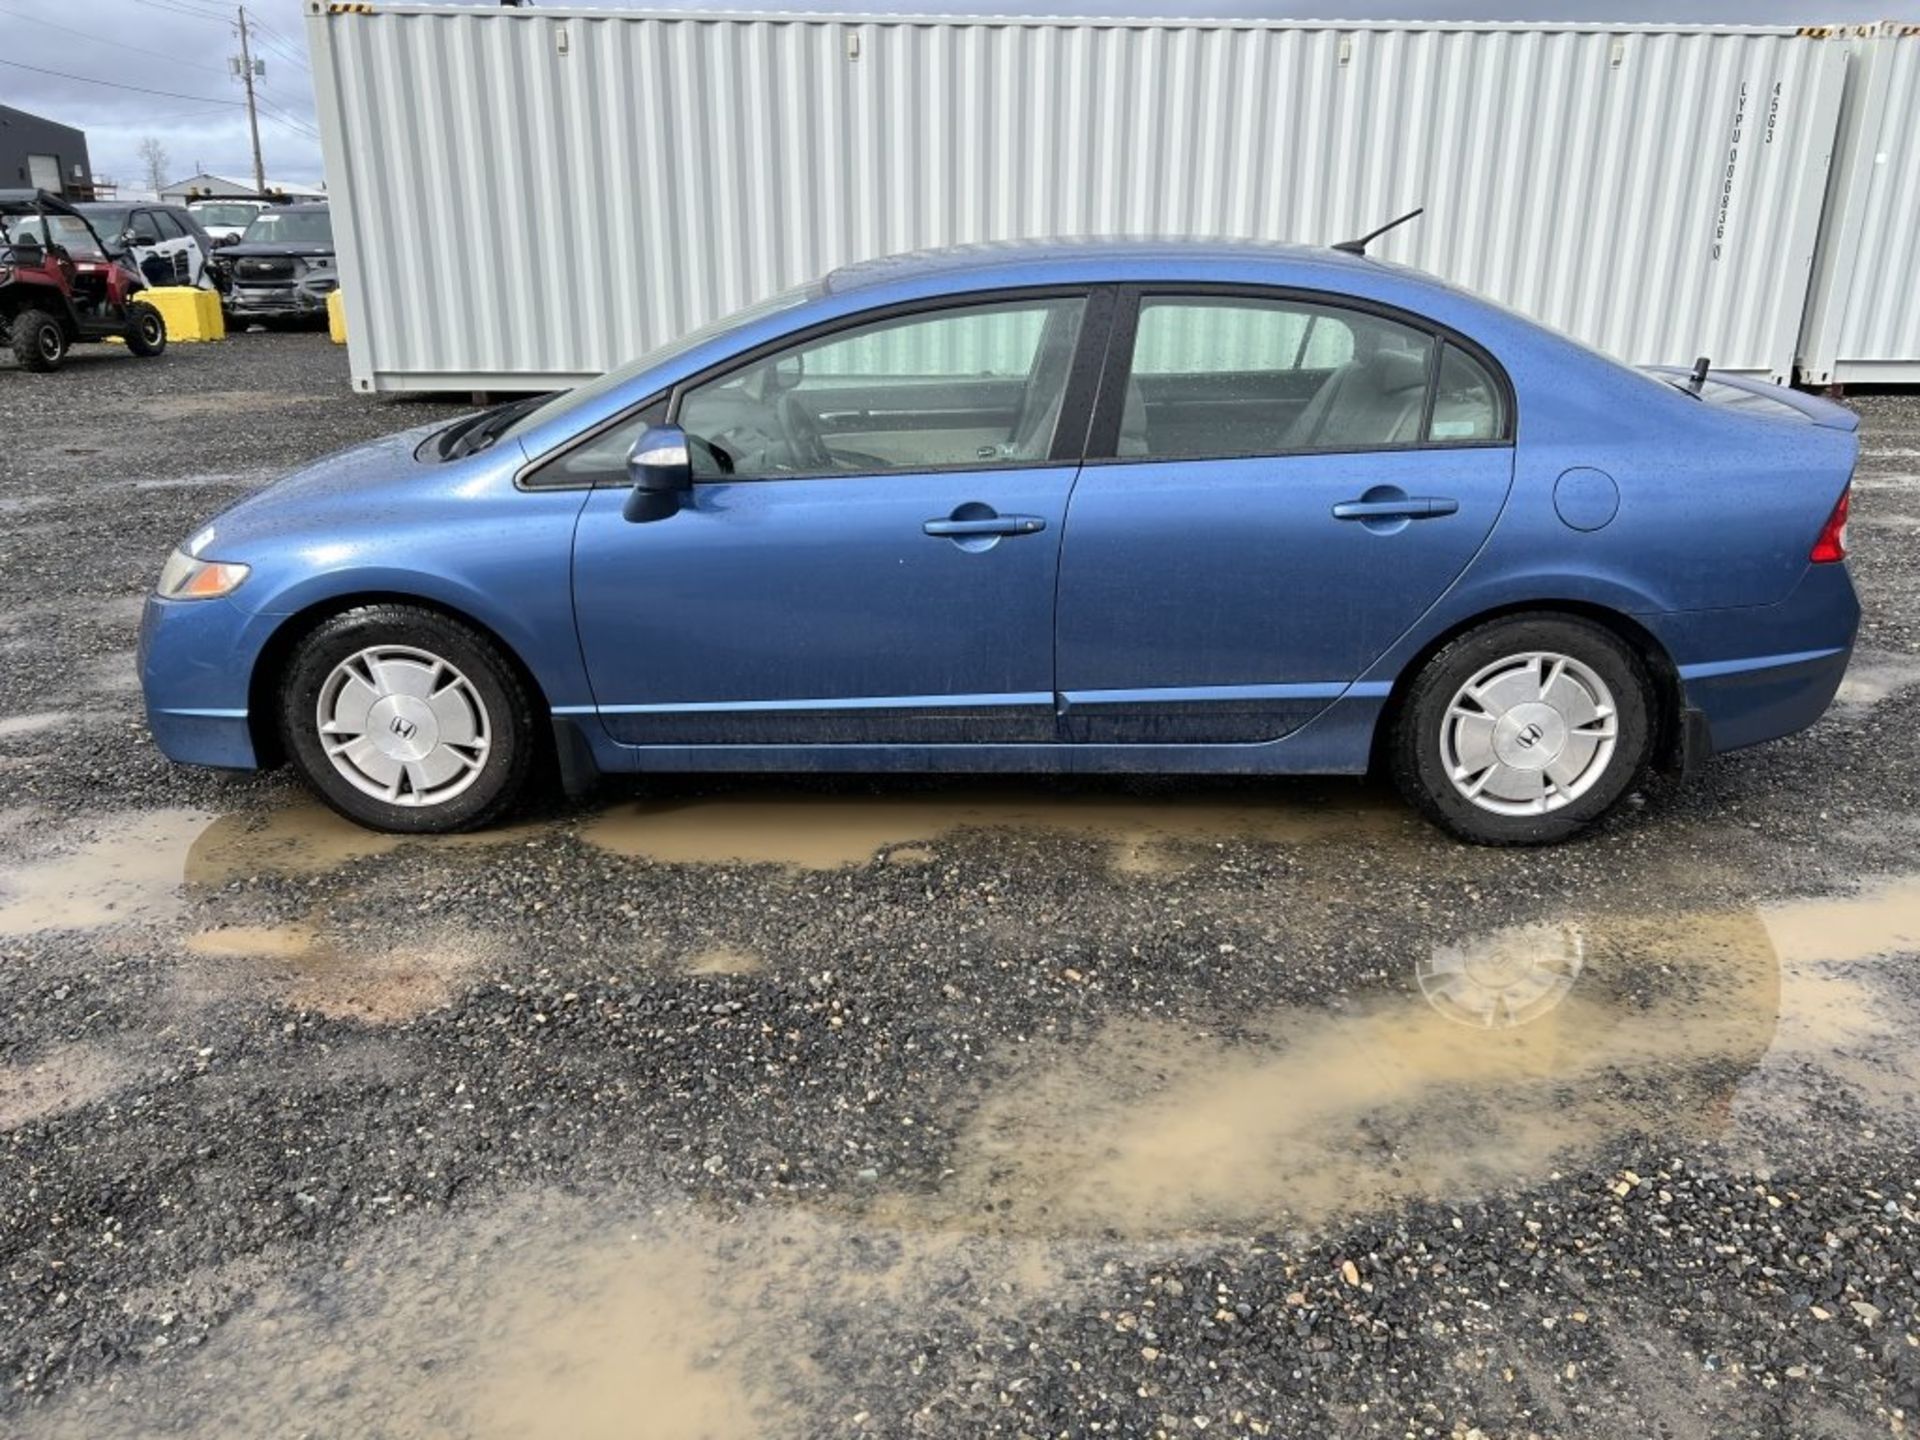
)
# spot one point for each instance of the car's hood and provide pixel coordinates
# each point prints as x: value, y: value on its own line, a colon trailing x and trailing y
x: 305, y: 249
x: 360, y: 483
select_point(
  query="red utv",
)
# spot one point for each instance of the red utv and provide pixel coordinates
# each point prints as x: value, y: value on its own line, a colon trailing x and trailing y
x: 59, y: 285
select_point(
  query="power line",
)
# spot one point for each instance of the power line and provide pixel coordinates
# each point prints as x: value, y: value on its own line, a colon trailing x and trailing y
x: 118, y: 85
x: 182, y: 7
x: 274, y: 35
x: 288, y: 118
x: 103, y: 40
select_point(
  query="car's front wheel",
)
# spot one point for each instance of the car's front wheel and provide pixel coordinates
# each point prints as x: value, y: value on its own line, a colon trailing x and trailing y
x: 405, y: 719
x: 1525, y: 729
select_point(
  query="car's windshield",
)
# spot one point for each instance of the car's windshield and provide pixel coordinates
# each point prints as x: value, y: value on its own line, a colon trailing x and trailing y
x: 290, y: 227
x: 109, y: 220
x: 224, y: 214
x: 67, y: 231
x: 568, y: 401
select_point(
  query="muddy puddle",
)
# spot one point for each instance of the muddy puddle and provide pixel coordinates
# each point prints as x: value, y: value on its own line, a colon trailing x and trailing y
x: 1500, y: 1058
x: 145, y: 866
x: 57, y: 1079
x: 1507, y: 1055
x: 554, y: 1317
x: 304, y: 969
x: 816, y: 830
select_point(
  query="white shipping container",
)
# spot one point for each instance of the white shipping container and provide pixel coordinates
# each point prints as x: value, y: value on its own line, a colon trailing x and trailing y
x: 1863, y: 316
x: 526, y: 197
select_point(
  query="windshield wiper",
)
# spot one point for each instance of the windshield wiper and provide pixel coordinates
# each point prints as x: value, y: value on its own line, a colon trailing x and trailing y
x: 471, y: 436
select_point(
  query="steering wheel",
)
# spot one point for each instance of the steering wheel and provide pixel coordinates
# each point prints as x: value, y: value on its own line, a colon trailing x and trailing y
x: 802, y: 434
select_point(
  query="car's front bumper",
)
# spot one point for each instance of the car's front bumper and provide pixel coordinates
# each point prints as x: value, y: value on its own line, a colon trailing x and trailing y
x: 302, y: 298
x: 195, y: 658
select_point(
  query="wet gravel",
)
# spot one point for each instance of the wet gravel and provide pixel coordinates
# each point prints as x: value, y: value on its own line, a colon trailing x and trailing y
x: 271, y: 1091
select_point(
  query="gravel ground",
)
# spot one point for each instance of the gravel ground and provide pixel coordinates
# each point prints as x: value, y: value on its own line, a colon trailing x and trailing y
x: 931, y: 1108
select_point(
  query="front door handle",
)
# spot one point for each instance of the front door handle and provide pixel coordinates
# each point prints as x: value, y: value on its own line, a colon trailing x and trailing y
x: 990, y: 525
x: 1405, y: 507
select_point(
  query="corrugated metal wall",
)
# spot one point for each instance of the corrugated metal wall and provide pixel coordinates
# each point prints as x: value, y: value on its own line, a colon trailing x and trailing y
x: 1863, y: 319
x: 526, y: 197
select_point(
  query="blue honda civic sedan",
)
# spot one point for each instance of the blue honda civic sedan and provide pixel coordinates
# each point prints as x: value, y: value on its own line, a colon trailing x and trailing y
x: 1068, y: 507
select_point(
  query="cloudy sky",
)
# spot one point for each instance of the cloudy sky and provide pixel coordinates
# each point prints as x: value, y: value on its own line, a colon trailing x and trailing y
x: 108, y: 54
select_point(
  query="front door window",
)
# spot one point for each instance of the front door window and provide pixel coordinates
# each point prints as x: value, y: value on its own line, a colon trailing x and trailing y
x: 975, y: 387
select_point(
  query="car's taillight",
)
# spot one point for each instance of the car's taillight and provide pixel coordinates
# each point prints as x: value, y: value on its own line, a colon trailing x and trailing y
x: 1831, y: 547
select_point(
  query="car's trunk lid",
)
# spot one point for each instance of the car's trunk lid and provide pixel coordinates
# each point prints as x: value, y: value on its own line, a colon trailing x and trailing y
x: 1758, y: 397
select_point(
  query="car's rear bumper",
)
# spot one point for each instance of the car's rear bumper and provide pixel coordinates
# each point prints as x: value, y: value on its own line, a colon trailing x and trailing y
x: 1761, y: 672
x: 195, y: 657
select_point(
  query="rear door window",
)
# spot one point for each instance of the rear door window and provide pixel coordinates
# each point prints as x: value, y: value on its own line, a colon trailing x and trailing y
x: 1468, y: 403
x: 1220, y: 376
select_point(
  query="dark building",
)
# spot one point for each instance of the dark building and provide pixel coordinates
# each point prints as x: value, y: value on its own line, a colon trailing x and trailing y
x: 39, y: 152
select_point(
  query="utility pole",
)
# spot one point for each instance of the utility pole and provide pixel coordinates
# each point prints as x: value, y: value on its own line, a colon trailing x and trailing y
x: 253, y: 115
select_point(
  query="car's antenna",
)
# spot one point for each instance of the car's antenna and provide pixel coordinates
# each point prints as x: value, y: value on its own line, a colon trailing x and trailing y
x: 1699, y: 376
x: 1359, y: 247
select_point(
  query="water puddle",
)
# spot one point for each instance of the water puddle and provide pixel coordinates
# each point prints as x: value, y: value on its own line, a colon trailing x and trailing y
x: 305, y: 970
x: 1500, y: 1058
x: 142, y: 866
x: 62, y: 1078
x: 1511, y: 1053
x: 553, y: 1319
x: 130, y: 869
x: 814, y: 830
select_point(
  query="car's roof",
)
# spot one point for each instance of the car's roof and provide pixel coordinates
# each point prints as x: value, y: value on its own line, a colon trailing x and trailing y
x: 1083, y: 255
x: 15, y: 201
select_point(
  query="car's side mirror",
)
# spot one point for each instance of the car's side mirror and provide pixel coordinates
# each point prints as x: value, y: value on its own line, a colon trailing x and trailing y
x: 129, y: 239
x: 661, y: 469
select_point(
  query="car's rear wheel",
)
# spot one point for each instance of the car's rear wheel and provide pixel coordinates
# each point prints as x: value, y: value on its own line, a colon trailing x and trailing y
x: 146, y: 329
x: 39, y: 340
x: 1525, y: 730
x: 407, y: 720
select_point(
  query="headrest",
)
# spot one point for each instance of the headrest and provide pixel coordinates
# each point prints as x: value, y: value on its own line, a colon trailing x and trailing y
x: 1396, y: 370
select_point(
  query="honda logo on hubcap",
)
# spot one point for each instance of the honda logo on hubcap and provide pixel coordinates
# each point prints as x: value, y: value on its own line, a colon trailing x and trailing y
x: 1530, y: 736
x: 403, y: 727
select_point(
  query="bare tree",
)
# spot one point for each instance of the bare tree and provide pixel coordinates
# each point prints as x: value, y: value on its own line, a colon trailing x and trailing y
x: 154, y: 156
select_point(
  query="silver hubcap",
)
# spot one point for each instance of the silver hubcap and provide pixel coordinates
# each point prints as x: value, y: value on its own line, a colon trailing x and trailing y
x: 403, y: 725
x: 1529, y: 734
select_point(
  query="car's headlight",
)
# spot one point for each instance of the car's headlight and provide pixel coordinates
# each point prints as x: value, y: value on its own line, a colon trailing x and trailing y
x: 186, y: 578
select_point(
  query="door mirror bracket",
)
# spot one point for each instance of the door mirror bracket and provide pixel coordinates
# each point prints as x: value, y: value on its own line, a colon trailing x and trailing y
x: 661, y: 469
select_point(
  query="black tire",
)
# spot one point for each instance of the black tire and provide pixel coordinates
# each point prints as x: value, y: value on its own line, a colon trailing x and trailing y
x: 1415, y: 746
x: 515, y: 752
x: 39, y: 340
x: 146, y: 329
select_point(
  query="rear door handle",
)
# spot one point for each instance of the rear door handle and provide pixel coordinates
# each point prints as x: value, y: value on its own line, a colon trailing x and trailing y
x: 993, y: 525
x: 1410, y: 507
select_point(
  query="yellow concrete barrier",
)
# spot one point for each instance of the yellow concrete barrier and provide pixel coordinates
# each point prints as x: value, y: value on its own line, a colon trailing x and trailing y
x: 336, y: 317
x: 190, y: 313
